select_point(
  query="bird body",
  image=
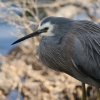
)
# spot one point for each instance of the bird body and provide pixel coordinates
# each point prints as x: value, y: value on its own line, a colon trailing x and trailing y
x: 70, y: 46
x: 66, y: 52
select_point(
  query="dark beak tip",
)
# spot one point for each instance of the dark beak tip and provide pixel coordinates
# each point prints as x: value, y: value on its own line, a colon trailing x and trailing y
x: 12, y: 43
x: 36, y: 33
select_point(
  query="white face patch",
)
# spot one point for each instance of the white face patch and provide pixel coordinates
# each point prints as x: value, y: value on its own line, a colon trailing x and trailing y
x: 49, y: 32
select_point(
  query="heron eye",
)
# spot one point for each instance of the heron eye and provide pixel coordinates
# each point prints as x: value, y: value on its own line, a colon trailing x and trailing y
x: 46, y: 28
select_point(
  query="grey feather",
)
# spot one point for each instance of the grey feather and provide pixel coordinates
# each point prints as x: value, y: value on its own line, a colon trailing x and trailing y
x: 80, y: 42
x: 88, y: 34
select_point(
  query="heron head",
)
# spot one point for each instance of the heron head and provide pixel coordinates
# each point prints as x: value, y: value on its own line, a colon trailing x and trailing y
x: 47, y: 27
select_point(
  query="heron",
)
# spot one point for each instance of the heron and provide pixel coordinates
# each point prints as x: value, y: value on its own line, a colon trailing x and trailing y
x: 70, y: 46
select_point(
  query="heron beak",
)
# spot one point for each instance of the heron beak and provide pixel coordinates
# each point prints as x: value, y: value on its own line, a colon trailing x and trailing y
x: 36, y: 33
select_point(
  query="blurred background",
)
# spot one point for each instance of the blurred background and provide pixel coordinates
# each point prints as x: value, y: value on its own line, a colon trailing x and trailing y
x: 22, y: 76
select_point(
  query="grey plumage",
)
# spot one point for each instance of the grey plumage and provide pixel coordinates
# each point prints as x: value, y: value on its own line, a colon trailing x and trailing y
x: 74, y: 48
x: 80, y: 42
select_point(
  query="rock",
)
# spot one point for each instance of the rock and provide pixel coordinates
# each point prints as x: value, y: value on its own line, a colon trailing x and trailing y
x: 94, y: 9
x: 82, y: 16
x: 68, y: 11
x: 15, y: 95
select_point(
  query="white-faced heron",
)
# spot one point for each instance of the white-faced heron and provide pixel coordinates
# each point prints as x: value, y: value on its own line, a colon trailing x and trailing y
x: 70, y: 46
